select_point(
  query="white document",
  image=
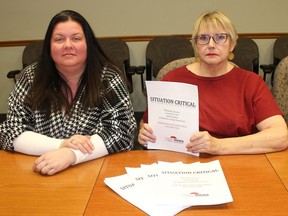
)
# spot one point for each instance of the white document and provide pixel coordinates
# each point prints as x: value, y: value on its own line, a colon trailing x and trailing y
x: 165, y: 189
x: 131, y: 191
x: 173, y: 114
x: 193, y: 184
x: 126, y: 188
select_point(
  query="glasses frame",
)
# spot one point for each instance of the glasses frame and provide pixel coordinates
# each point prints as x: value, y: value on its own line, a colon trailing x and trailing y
x: 211, y: 36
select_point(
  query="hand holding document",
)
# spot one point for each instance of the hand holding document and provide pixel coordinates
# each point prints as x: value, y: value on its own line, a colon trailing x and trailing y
x: 165, y: 188
x: 173, y: 114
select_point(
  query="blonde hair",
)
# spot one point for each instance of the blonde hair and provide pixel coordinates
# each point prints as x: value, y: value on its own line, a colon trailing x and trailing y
x: 218, y: 20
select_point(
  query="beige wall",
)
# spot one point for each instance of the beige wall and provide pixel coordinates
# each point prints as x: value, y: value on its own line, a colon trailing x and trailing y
x: 25, y: 20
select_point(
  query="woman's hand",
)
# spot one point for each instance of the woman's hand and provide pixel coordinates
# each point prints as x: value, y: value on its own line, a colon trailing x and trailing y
x: 203, y: 142
x: 145, y: 135
x: 54, y: 161
x: 79, y: 142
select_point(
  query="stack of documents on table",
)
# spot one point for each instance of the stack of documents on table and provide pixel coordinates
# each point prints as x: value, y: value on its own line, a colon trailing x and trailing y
x: 166, y: 188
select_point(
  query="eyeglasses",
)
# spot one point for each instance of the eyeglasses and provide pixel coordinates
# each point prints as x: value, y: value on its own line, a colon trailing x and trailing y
x: 204, y: 39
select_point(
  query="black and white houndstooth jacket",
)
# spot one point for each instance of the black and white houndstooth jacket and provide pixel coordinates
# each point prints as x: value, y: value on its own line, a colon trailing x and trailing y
x: 114, y: 122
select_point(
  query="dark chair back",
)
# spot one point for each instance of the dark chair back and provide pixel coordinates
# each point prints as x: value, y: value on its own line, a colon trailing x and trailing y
x: 246, y: 54
x: 163, y: 50
x: 117, y: 52
x: 32, y: 53
x: 280, y: 51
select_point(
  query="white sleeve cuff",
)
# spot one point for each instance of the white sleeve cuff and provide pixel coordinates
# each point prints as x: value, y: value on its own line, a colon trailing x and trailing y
x: 100, y: 150
x: 33, y: 143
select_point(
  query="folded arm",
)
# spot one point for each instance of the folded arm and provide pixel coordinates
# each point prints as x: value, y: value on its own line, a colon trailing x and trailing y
x: 33, y: 143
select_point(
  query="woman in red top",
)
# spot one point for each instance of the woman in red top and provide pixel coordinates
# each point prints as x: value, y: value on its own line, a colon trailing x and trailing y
x: 237, y: 112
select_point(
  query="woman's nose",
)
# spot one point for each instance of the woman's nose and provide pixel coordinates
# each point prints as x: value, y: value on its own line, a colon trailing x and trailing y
x: 68, y: 43
x: 211, y: 42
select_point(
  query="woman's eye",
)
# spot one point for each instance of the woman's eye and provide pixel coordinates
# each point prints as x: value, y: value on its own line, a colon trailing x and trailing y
x: 220, y: 37
x: 203, y: 37
x: 77, y: 38
x: 58, y: 39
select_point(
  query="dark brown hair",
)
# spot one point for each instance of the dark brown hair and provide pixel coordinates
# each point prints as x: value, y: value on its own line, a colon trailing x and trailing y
x: 47, y: 89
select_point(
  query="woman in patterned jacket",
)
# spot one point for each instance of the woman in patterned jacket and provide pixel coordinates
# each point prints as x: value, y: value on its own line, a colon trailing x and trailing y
x: 73, y: 105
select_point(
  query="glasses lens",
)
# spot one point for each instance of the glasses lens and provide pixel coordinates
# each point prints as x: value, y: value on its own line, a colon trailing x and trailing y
x: 217, y: 38
x: 220, y: 38
x: 203, y: 39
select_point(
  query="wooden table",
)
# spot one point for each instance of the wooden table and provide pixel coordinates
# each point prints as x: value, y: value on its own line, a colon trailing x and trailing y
x: 24, y: 192
x: 279, y: 161
x: 255, y: 186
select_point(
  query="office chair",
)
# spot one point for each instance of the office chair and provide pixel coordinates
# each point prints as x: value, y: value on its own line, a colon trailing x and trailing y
x: 115, y: 49
x: 31, y: 54
x: 280, y: 51
x: 246, y: 54
x: 174, y: 65
x: 280, y: 87
x: 117, y: 52
x: 163, y: 50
